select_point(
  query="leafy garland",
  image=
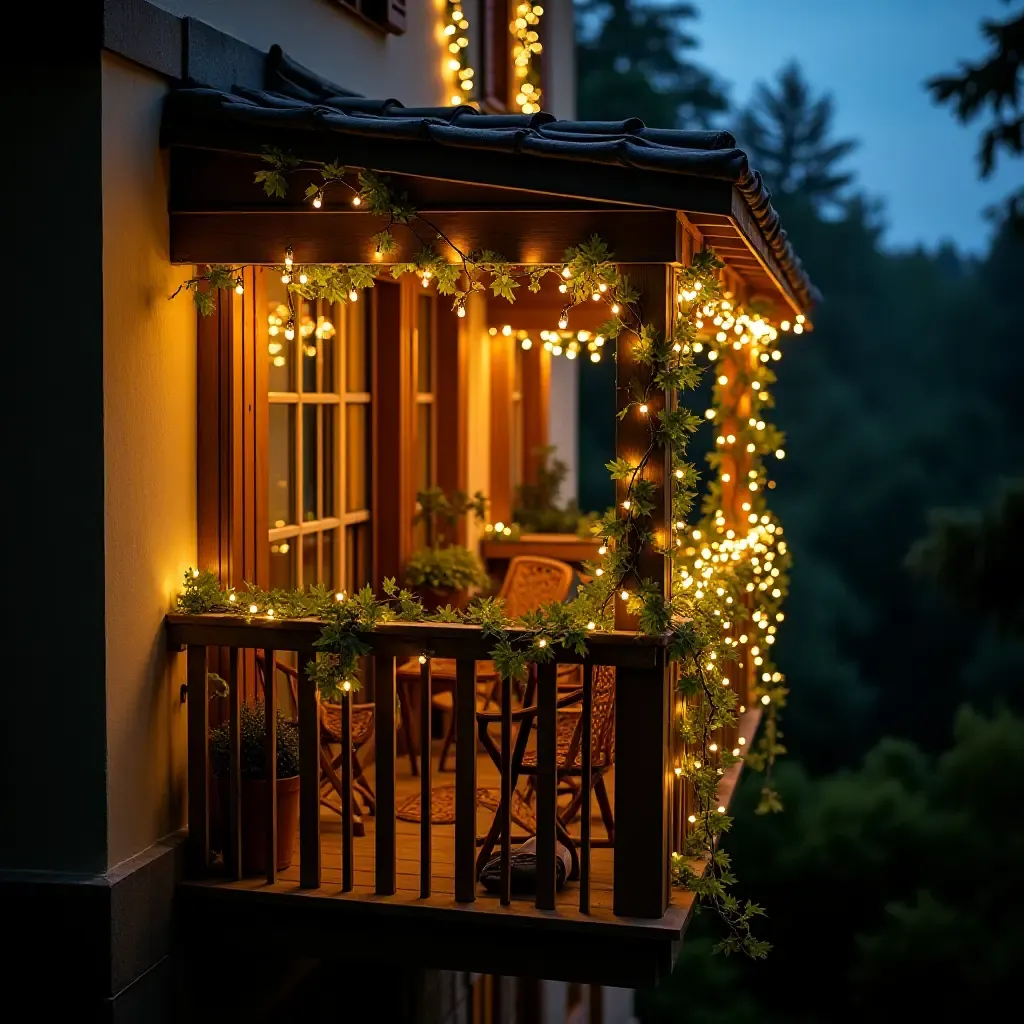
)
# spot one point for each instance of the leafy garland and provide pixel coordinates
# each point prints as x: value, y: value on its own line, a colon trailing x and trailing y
x: 720, y: 575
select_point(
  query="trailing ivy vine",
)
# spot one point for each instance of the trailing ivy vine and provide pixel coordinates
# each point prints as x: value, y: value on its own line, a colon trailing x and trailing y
x: 724, y: 578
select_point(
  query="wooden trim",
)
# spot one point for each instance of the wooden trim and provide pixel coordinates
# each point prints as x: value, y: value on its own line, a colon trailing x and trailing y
x: 465, y: 781
x: 535, y: 406
x: 564, y: 547
x: 496, y: 69
x: 309, y: 775
x: 385, y: 862
x: 345, y: 236
x: 502, y: 379
x: 392, y: 430
x: 451, y: 415
x: 654, y: 283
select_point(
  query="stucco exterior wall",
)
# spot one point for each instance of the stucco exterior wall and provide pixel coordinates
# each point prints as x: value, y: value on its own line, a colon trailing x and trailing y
x: 326, y: 38
x: 149, y: 429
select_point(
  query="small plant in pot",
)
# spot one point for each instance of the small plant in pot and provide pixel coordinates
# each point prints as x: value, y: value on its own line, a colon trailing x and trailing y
x: 442, y: 572
x: 253, y: 770
x: 538, y: 508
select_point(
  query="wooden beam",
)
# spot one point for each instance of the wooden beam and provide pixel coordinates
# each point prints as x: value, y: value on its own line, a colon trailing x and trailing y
x: 346, y: 236
x: 502, y: 355
x: 451, y: 404
x: 632, y: 431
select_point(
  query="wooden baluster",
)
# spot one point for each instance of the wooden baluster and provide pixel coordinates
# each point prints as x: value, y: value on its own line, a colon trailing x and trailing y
x: 547, y: 784
x: 309, y: 775
x: 642, y: 714
x: 270, y: 757
x: 586, y: 782
x: 384, y: 723
x: 465, y: 780
x: 505, y: 806
x: 198, y: 762
x: 346, y: 792
x: 425, y: 773
x: 233, y: 860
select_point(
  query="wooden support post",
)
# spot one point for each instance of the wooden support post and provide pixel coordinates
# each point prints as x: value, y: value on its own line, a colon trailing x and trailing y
x: 426, y: 763
x: 633, y: 433
x: 502, y: 378
x: 347, y: 807
x: 198, y: 763
x: 270, y: 758
x: 233, y: 855
x: 547, y: 784
x: 309, y: 775
x: 385, y: 865
x: 586, y: 783
x: 642, y: 855
x: 465, y: 781
x: 505, y: 800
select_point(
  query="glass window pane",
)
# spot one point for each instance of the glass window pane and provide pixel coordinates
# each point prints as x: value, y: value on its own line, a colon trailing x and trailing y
x: 357, y: 348
x: 329, y: 464
x: 310, y: 574
x: 357, y: 457
x: 424, y: 446
x: 308, y: 342
x: 357, y: 556
x: 280, y: 351
x: 327, y: 343
x: 425, y: 346
x: 309, y: 463
x: 329, y: 558
x: 282, y: 564
x: 281, y: 464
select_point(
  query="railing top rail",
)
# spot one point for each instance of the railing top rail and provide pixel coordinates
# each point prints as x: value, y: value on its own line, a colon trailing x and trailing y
x: 439, y: 639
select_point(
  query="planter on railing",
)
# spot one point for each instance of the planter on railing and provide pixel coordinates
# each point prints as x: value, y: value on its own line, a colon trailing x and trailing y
x: 644, y: 782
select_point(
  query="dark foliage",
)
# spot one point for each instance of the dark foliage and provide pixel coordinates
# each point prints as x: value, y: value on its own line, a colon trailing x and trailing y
x: 252, y: 731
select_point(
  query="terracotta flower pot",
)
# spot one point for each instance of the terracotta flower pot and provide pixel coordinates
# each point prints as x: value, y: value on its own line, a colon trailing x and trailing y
x: 254, y: 821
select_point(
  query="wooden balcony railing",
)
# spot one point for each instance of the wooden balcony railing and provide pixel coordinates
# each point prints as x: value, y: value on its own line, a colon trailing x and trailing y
x: 648, y: 802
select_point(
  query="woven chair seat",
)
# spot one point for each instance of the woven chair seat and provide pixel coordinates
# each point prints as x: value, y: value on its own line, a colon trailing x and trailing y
x: 330, y: 723
x: 566, y: 729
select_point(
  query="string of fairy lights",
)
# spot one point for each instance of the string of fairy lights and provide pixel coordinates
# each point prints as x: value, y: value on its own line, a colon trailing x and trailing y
x: 571, y: 344
x: 526, y: 49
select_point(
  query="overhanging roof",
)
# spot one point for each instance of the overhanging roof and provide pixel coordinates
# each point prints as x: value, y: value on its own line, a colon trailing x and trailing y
x: 571, y: 166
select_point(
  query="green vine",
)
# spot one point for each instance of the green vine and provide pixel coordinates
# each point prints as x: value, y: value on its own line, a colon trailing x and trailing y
x: 720, y: 578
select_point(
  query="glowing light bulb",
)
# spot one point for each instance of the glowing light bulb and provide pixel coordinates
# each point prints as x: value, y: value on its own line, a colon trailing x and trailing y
x: 526, y: 344
x: 499, y: 527
x: 626, y: 504
x: 346, y: 686
x: 542, y: 642
x: 643, y: 407
x: 721, y: 810
x: 679, y: 474
x: 195, y: 574
x: 353, y: 296
x: 779, y: 453
x: 461, y: 311
x: 253, y: 609
x: 339, y: 596
x: 506, y: 330
x: 239, y: 289
x: 423, y: 659
x: 591, y: 625
x: 766, y: 699
x: 232, y: 598
x: 616, y: 308
x: 603, y: 549
x: 599, y: 572
x: 624, y: 595
x: 692, y: 818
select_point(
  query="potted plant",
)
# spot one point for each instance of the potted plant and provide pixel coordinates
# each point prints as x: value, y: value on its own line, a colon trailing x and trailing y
x: 537, y: 504
x: 254, y: 786
x: 442, y: 572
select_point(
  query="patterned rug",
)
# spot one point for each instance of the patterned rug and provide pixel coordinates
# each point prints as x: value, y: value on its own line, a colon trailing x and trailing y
x: 442, y: 807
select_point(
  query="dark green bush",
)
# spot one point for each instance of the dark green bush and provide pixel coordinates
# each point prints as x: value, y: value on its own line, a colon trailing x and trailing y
x: 253, y: 762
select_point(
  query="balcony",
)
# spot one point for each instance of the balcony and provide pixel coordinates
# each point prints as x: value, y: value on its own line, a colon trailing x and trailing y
x: 410, y: 889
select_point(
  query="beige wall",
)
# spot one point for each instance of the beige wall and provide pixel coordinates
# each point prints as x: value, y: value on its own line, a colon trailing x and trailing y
x: 409, y: 67
x: 324, y: 37
x: 149, y: 427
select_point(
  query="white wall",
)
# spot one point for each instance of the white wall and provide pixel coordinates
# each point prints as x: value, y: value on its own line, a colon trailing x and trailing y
x: 149, y: 428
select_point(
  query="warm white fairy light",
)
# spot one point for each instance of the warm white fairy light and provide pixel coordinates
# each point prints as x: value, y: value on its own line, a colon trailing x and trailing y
x: 524, y: 28
x: 457, y: 41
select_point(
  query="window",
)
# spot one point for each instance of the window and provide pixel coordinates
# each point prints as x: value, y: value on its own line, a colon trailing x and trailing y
x: 388, y: 15
x: 318, y: 457
x: 426, y: 419
x: 496, y: 57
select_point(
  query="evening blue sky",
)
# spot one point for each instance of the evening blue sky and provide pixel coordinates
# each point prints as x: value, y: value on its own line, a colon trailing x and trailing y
x: 873, y: 56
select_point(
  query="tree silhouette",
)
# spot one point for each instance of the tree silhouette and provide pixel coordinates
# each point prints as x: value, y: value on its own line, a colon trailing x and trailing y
x: 631, y: 62
x: 787, y: 133
x: 993, y: 86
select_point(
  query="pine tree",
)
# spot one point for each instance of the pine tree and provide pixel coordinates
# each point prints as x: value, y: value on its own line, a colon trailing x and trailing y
x: 786, y: 130
x: 994, y: 83
x: 631, y: 62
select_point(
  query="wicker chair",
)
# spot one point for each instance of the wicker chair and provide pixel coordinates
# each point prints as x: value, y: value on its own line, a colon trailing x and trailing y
x: 531, y: 581
x: 568, y: 764
x: 330, y: 733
